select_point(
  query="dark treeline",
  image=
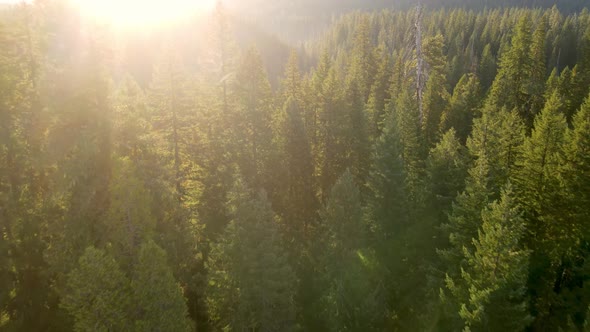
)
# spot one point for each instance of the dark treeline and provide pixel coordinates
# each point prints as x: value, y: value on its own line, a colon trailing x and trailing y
x: 433, y: 181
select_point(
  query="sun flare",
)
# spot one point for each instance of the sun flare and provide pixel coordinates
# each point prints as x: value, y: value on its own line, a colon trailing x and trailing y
x: 138, y: 13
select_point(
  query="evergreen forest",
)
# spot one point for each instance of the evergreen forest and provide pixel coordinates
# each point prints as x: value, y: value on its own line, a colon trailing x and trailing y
x: 387, y: 167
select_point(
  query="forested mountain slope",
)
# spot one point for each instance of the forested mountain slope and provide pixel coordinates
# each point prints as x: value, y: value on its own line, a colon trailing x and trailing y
x: 427, y: 173
x: 298, y: 20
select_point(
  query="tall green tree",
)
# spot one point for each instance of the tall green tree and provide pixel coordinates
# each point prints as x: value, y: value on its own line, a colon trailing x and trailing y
x: 294, y: 184
x: 436, y: 94
x: 251, y: 125
x: 538, y: 189
x: 463, y: 107
x: 97, y: 295
x: 447, y: 170
x: 497, y: 270
x: 511, y: 86
x: 352, y: 296
x: 158, y: 301
x: 251, y: 285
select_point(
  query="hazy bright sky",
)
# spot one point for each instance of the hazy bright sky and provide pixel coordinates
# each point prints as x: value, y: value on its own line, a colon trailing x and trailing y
x: 138, y: 12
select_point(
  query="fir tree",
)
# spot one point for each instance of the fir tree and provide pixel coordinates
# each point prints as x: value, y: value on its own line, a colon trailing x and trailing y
x: 352, y: 295
x: 447, y: 170
x: 497, y: 271
x: 436, y: 95
x: 463, y: 107
x: 540, y: 195
x: 157, y: 298
x: 97, y: 295
x: 294, y: 184
x: 252, y: 131
x: 510, y: 87
x: 487, y: 68
x: 575, y: 169
x: 251, y: 285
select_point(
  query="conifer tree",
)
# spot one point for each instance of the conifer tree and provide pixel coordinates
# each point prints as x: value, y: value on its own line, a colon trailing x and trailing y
x: 538, y: 189
x: 129, y: 220
x: 497, y: 270
x: 292, y: 82
x: 510, y: 87
x: 330, y: 154
x: 487, y: 68
x: 412, y: 147
x: 294, y: 187
x: 387, y: 205
x: 575, y: 169
x: 252, y: 132
x: 498, y: 136
x: 97, y: 295
x: 356, y: 134
x: 447, y: 170
x: 171, y: 101
x: 539, y: 66
x: 251, y: 285
x: 379, y: 94
x: 352, y: 295
x: 436, y: 94
x: 157, y: 298
x: 463, y: 107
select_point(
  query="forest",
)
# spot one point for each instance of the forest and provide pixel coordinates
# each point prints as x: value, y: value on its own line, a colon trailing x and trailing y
x: 421, y: 168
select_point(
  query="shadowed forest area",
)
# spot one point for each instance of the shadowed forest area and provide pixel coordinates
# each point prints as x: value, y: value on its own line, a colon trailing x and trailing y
x: 388, y: 167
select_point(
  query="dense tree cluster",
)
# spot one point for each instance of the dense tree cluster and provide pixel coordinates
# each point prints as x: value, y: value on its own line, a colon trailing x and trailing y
x: 357, y: 194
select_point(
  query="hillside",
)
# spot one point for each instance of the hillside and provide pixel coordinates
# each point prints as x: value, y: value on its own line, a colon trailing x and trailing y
x: 298, y: 20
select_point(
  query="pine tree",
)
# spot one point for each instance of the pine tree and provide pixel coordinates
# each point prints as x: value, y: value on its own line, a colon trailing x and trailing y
x: 352, y: 295
x: 463, y: 107
x: 26, y: 298
x: 375, y: 108
x: 575, y: 169
x: 498, y: 136
x: 356, y: 134
x: 510, y: 87
x: 539, y: 192
x: 171, y: 101
x: 387, y: 205
x: 406, y: 109
x: 497, y: 270
x: 436, y: 94
x: 157, y: 298
x: 97, y: 295
x: 330, y: 153
x: 487, y: 68
x: 251, y: 285
x: 251, y: 129
x: 293, y: 186
x: 129, y: 220
x: 447, y: 170
x: 292, y: 82
x: 463, y: 224
x: 539, y: 66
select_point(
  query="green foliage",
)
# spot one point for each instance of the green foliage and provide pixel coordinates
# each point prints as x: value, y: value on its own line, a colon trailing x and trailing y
x: 497, y: 270
x: 252, y: 132
x: 94, y: 154
x: 352, y: 298
x: 158, y: 300
x: 510, y: 88
x: 251, y: 285
x: 447, y: 170
x: 463, y: 107
x: 436, y: 94
x: 98, y: 294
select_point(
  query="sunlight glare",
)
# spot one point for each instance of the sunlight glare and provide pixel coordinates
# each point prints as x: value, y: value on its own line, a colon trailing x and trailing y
x: 139, y: 13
